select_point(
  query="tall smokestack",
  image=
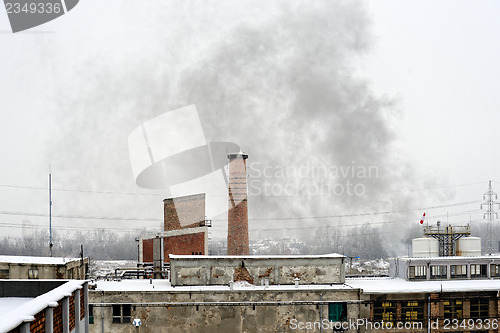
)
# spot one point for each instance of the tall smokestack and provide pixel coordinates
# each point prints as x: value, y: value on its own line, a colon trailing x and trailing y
x: 237, y: 216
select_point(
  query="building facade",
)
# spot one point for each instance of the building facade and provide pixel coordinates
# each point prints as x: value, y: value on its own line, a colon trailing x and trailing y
x: 25, y: 267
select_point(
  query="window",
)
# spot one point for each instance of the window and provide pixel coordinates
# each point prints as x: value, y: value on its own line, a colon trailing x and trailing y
x: 479, y: 308
x: 495, y: 270
x: 337, y: 311
x: 412, y: 311
x: 32, y: 273
x: 91, y: 314
x: 453, y: 309
x: 478, y: 271
x: 458, y: 271
x: 438, y: 272
x: 122, y: 313
x: 385, y: 311
x: 417, y: 273
x: 4, y: 273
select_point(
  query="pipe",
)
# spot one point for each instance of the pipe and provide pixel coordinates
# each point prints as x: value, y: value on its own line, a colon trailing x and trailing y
x: 321, y: 313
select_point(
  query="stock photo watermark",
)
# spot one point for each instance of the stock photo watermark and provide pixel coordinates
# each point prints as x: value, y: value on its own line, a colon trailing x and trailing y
x: 310, y: 179
x: 26, y: 14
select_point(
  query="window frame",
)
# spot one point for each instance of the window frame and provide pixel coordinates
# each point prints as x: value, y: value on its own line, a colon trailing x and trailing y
x: 479, y: 308
x: 385, y: 310
x: 119, y: 315
x: 453, y: 309
x: 417, y: 272
x: 415, y: 308
x: 33, y: 274
x: 343, y: 313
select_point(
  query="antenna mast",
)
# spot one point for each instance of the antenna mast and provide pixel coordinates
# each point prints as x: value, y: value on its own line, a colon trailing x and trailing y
x: 50, y: 212
x: 490, y: 214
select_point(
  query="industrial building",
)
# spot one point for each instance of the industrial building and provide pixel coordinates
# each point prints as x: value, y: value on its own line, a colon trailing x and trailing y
x: 28, y: 306
x: 446, y: 281
x: 25, y: 267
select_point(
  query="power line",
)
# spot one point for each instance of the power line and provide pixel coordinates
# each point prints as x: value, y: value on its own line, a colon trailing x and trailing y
x: 40, y: 226
x: 360, y: 214
x: 157, y: 194
x: 79, y: 191
x: 83, y: 217
x: 149, y: 219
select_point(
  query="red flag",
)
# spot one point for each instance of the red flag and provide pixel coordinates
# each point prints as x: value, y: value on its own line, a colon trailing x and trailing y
x: 422, y: 220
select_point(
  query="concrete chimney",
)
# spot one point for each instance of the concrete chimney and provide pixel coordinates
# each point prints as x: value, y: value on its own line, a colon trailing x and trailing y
x: 237, y: 217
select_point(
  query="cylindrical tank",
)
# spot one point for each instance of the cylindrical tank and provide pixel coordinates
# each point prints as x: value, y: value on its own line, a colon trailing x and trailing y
x: 425, y: 247
x: 469, y: 247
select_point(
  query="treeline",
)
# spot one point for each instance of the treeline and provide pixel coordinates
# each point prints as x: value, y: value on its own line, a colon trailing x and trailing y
x: 98, y: 244
x: 366, y: 241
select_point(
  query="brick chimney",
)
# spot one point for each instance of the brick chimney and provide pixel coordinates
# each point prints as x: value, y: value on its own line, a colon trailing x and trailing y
x: 237, y: 216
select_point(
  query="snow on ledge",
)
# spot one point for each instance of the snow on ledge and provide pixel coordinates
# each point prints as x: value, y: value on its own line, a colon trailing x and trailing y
x: 37, y: 260
x: 305, y: 256
x: 17, y: 315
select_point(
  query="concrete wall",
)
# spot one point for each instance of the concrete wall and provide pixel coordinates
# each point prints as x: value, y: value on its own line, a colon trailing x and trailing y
x: 69, y: 270
x: 217, y: 319
x: 207, y: 270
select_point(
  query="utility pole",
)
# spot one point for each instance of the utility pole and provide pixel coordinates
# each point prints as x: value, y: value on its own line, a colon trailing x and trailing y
x: 490, y: 215
x: 50, y: 212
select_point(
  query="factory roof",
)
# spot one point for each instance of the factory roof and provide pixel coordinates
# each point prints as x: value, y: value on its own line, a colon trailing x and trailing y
x: 382, y: 285
x: 36, y: 260
x: 164, y: 285
x: 304, y: 256
x: 402, y: 286
x: 448, y: 258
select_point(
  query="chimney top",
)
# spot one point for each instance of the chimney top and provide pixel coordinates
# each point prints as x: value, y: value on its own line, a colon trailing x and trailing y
x: 236, y: 155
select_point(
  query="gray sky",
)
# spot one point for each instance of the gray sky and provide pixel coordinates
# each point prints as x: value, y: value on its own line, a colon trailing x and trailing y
x: 408, y: 88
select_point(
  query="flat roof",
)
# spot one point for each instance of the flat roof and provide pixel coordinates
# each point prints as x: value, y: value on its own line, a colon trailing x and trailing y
x: 387, y: 285
x: 164, y: 285
x: 36, y: 260
x: 305, y: 256
x: 448, y: 258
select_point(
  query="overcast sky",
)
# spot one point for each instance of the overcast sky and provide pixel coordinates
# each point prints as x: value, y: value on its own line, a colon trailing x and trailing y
x: 409, y: 88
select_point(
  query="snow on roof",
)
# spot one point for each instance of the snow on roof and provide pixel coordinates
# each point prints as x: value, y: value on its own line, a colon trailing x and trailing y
x: 10, y: 303
x: 164, y: 285
x: 304, y: 256
x: 26, y: 312
x: 37, y: 260
x: 402, y: 286
x: 447, y: 258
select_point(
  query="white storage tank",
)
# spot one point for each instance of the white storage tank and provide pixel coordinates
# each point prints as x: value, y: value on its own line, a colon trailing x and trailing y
x: 469, y: 247
x: 425, y: 247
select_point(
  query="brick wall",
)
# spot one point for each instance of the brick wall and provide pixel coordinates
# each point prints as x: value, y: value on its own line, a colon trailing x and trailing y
x: 38, y: 325
x: 237, y: 232
x: 184, y: 212
x: 147, y: 250
x: 82, y: 304
x: 72, y: 312
x: 58, y: 319
x: 184, y: 244
x: 15, y: 330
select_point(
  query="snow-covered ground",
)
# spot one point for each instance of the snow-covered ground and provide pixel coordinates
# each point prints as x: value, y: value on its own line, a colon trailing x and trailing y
x: 99, y: 268
x: 367, y: 267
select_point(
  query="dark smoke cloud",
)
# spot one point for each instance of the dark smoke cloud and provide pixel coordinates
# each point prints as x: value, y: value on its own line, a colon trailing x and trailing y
x: 276, y: 78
